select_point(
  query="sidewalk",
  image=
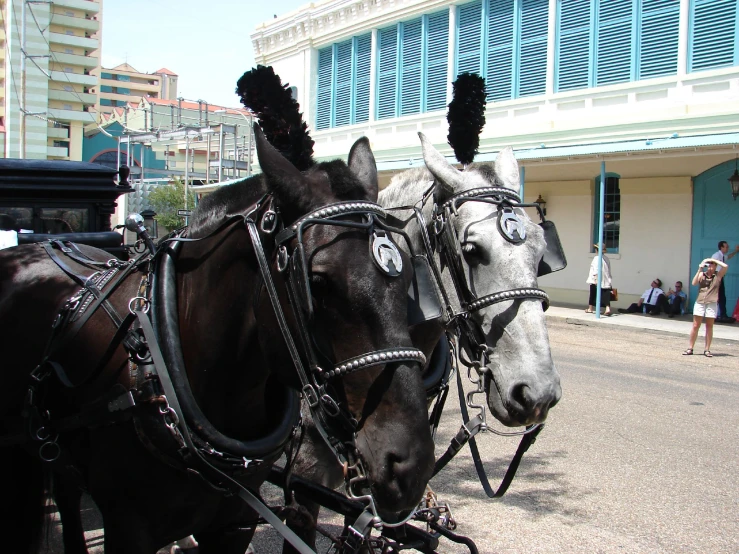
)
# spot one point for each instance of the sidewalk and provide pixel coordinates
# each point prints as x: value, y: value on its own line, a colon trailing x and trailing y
x: 680, y: 325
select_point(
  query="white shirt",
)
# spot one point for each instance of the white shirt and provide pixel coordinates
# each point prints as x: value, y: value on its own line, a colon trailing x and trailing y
x: 719, y: 256
x: 652, y: 301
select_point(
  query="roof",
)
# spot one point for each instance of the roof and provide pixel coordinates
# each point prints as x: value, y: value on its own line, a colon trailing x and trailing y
x: 189, y: 105
x: 164, y: 71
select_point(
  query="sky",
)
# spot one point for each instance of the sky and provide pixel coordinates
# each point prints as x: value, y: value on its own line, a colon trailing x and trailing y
x: 205, y: 42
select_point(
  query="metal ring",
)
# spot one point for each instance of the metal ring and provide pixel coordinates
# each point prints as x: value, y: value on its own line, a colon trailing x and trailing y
x: 282, y: 259
x: 146, y: 301
x: 53, y: 455
x: 269, y: 222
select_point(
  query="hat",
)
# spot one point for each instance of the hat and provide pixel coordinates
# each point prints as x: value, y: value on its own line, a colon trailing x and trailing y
x: 605, y: 248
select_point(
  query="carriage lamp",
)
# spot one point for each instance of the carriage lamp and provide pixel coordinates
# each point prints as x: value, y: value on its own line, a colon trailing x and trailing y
x: 150, y: 223
x: 734, y: 181
x: 542, y: 204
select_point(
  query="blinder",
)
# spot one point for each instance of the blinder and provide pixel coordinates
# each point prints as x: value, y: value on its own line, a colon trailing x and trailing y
x: 554, y: 255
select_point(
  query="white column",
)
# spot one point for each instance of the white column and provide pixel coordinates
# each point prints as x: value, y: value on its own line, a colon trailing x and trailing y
x: 451, y: 51
x: 373, y: 77
x: 551, y: 46
x: 682, y: 41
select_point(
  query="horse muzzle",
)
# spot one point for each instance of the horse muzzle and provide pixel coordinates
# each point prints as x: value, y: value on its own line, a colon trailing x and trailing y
x: 521, y: 402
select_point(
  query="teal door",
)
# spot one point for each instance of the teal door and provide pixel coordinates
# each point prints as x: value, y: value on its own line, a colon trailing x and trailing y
x: 715, y: 218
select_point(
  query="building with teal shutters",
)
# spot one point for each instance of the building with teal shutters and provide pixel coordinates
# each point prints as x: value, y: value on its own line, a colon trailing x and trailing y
x: 648, y: 87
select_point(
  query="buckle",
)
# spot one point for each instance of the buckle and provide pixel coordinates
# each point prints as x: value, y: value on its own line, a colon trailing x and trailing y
x: 310, y: 395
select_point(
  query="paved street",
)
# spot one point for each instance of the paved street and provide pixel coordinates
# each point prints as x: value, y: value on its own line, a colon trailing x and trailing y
x: 639, y: 456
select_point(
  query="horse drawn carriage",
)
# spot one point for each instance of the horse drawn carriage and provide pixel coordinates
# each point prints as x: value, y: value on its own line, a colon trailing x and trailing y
x: 300, y: 313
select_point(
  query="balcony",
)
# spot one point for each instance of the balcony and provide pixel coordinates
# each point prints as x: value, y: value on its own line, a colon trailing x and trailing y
x: 137, y: 89
x: 57, y: 152
x: 74, y: 59
x: 69, y: 96
x: 69, y: 40
x: 76, y: 78
x: 72, y: 115
x: 92, y: 25
x: 84, y: 5
x: 57, y: 133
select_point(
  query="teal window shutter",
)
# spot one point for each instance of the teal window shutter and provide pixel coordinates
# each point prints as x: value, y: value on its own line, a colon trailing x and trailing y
x: 658, y: 38
x: 343, y: 84
x: 574, y: 44
x: 410, y: 67
x: 613, y: 42
x: 532, y: 56
x: 387, y: 75
x: 500, y: 39
x: 325, y: 72
x: 363, y: 49
x: 469, y: 38
x: 713, y: 29
x: 437, y: 46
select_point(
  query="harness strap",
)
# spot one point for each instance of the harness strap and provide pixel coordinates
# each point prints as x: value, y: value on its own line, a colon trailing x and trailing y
x: 467, y: 433
x: 256, y: 504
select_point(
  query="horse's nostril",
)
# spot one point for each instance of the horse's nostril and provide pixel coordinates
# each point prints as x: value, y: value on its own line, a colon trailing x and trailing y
x: 521, y: 397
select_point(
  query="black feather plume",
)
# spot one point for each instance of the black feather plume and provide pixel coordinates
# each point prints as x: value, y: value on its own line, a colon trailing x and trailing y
x: 466, y: 116
x: 262, y: 91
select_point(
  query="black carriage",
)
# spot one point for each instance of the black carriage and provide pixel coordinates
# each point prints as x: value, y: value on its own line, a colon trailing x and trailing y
x: 64, y: 200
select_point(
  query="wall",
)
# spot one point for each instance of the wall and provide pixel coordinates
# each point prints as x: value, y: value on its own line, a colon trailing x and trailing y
x: 654, y: 238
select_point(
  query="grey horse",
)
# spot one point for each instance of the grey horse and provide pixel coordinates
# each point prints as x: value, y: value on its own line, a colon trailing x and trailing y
x: 520, y: 379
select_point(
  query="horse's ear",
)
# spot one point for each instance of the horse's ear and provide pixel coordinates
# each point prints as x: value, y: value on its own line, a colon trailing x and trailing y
x: 283, y: 178
x: 362, y: 164
x: 448, y: 178
x: 506, y: 168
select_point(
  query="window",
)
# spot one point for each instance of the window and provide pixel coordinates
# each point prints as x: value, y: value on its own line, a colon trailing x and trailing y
x: 505, y: 41
x: 68, y: 70
x: 712, y: 39
x: 343, y: 83
x: 412, y: 66
x: 104, y: 75
x: 69, y: 32
x: 68, y: 88
x: 69, y: 51
x: 612, y: 212
x: 69, y: 13
x: 602, y: 42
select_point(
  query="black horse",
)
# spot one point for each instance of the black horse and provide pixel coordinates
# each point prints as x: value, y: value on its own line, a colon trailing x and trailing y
x: 238, y: 370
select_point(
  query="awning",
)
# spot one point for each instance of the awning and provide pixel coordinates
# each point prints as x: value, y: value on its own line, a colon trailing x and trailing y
x: 583, y: 150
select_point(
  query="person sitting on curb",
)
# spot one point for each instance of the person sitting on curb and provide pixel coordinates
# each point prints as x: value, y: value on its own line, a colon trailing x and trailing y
x: 708, y: 281
x: 650, y: 301
x: 676, y: 300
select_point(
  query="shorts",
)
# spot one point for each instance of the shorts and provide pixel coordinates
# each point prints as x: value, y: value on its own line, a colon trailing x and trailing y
x: 707, y: 310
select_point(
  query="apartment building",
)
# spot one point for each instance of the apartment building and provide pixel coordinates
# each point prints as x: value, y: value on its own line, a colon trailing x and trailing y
x: 650, y: 88
x: 49, y: 91
x: 123, y: 84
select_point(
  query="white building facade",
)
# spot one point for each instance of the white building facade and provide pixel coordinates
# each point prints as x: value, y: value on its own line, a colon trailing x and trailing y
x: 648, y: 87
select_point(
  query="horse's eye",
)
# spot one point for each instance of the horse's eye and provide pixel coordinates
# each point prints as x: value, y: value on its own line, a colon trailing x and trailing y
x: 318, y: 285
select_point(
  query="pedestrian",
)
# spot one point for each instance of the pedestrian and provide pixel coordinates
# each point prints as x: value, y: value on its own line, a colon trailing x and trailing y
x: 708, y: 280
x: 722, y: 255
x: 651, y: 302
x: 606, y: 285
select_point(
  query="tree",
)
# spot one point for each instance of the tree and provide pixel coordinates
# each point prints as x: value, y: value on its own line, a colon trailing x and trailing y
x: 165, y: 200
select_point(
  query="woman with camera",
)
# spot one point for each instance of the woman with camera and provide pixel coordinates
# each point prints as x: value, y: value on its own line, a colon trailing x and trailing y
x: 708, y: 280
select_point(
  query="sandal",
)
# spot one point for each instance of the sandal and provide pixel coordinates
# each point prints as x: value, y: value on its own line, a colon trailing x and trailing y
x: 689, y: 352
x: 589, y: 312
x: 707, y: 354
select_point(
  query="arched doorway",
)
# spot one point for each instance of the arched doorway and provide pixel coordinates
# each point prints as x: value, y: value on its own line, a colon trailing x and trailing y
x: 715, y: 218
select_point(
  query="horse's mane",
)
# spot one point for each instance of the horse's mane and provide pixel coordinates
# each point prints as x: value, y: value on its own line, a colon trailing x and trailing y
x: 238, y: 197
x: 226, y: 201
